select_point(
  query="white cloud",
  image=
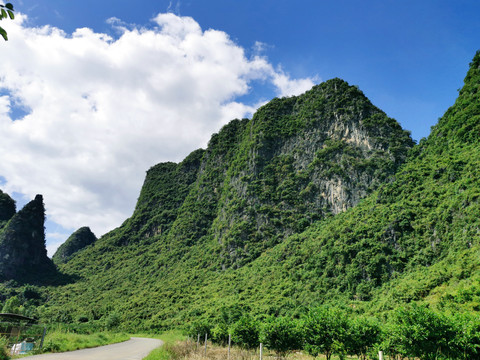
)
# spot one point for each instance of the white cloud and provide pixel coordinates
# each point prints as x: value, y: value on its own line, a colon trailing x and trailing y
x: 101, y: 111
x: 289, y: 87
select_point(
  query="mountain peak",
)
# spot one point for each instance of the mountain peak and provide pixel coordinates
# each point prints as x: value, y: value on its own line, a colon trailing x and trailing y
x: 461, y: 122
x: 22, y: 243
x: 7, y: 208
x: 75, y: 243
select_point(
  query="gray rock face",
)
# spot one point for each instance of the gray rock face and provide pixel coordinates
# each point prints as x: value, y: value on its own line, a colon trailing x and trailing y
x: 304, y: 158
x: 298, y: 160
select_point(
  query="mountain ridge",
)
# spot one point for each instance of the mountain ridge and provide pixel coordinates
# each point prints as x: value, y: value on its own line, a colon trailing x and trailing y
x: 254, y: 223
x: 298, y: 160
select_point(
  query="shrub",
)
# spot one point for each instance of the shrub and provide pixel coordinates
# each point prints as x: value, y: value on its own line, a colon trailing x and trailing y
x: 467, y: 336
x: 245, y: 333
x: 324, y: 331
x: 420, y: 332
x: 199, y: 328
x: 51, y: 346
x: 363, y: 334
x: 281, y: 334
x: 4, y: 349
x: 112, y: 321
x: 220, y: 333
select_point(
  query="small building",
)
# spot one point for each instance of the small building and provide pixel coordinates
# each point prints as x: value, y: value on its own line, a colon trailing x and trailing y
x: 23, y: 334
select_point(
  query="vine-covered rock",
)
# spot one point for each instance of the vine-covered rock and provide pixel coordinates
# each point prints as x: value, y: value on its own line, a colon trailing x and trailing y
x: 75, y: 243
x: 7, y: 208
x: 23, y: 254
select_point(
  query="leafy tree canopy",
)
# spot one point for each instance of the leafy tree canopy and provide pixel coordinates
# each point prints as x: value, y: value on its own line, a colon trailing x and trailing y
x: 6, y: 11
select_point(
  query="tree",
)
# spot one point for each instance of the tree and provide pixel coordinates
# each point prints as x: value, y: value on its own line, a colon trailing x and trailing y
x: 12, y: 306
x: 5, y: 12
x: 200, y: 327
x: 419, y: 332
x: 281, y: 334
x: 324, y: 331
x: 112, y: 321
x: 220, y: 333
x: 363, y: 334
x: 467, y: 336
x: 245, y: 332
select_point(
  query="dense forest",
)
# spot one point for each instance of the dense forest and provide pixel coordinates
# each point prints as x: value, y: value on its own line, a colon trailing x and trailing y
x: 319, y: 203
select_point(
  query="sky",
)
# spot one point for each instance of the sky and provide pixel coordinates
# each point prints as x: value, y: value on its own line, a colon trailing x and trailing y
x: 94, y: 93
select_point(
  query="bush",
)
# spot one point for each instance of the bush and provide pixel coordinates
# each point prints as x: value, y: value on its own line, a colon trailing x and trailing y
x: 4, y: 349
x: 325, y: 331
x: 112, y: 321
x: 82, y: 318
x: 418, y: 331
x: 281, y: 334
x: 245, y: 333
x: 199, y: 328
x: 467, y: 338
x: 220, y: 333
x: 363, y: 334
x: 51, y: 346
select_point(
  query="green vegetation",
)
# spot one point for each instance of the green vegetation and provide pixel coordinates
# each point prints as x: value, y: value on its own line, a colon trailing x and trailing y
x: 167, y: 351
x: 6, y: 11
x: 245, y: 332
x: 281, y: 335
x: 61, y: 340
x: 202, y: 229
x: 412, y: 331
x: 325, y: 330
x: 4, y: 353
x: 75, y: 243
x: 318, y: 205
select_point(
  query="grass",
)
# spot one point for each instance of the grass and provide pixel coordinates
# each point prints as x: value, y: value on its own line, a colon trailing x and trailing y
x: 177, y: 348
x: 61, y: 340
x: 165, y: 352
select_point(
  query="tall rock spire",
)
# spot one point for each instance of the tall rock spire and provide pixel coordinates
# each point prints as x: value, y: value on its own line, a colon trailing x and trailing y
x: 23, y: 254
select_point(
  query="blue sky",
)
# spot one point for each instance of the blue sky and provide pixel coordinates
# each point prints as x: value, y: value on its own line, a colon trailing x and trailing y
x: 408, y: 57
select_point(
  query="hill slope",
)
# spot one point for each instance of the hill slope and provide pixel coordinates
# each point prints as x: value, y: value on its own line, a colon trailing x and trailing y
x: 417, y: 238
x: 269, y: 219
x: 199, y: 224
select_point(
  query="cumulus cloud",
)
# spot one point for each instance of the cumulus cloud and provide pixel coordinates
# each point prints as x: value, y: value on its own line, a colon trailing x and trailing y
x: 97, y: 112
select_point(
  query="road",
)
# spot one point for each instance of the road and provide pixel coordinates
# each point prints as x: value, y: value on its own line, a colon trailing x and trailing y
x: 133, y: 349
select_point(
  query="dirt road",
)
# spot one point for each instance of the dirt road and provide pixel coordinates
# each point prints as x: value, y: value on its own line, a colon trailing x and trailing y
x: 133, y: 349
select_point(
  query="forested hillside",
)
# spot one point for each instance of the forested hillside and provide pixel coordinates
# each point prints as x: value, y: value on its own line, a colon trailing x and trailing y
x: 319, y: 198
x: 298, y: 161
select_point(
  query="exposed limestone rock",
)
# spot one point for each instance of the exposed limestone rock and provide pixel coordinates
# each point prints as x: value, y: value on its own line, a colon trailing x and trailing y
x: 306, y: 157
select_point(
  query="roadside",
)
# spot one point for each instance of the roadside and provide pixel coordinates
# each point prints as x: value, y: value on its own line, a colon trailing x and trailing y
x: 133, y: 349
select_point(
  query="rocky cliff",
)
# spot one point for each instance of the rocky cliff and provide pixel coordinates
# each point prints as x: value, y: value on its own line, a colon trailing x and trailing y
x: 7, y: 208
x: 301, y: 159
x: 22, y: 244
x: 296, y: 161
